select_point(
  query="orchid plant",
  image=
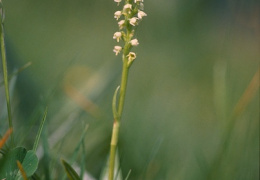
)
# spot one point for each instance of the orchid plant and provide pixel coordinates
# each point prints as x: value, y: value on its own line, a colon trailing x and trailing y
x: 128, y: 19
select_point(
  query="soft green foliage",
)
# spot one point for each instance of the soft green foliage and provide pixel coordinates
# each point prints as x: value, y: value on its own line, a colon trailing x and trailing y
x: 16, y: 72
x: 128, y: 175
x: 76, y: 152
x: 8, y: 164
x: 29, y: 163
x: 195, y: 61
x: 8, y: 168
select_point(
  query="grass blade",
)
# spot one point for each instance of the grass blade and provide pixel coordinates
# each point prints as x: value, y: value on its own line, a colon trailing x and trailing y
x: 82, y: 167
x: 240, y: 107
x: 128, y: 174
x: 247, y: 96
x: 71, y: 173
x: 36, y: 142
x: 76, y: 150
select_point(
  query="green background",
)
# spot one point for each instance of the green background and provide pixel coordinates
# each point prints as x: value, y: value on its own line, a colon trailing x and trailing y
x: 194, y: 62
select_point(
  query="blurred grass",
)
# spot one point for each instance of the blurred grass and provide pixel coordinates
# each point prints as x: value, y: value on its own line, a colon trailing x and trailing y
x: 176, y: 111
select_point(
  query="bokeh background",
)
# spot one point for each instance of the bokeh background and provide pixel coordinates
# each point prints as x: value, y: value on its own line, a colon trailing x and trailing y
x: 194, y: 62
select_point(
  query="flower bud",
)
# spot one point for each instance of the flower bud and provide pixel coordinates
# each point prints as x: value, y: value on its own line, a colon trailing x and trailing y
x: 131, y: 56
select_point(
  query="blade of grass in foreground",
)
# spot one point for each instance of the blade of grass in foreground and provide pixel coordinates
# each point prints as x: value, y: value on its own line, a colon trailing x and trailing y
x: 5, y: 74
x: 71, y: 173
x: 40, y: 131
x: 128, y: 174
x: 82, y: 167
x: 76, y: 150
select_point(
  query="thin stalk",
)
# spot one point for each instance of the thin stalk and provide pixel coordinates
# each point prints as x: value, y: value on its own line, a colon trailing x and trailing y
x: 5, y: 73
x: 116, y: 125
x: 123, y: 88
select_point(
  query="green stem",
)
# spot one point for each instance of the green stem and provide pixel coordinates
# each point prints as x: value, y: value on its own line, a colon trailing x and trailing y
x: 123, y: 88
x: 116, y: 125
x: 3, y: 53
x: 113, y: 146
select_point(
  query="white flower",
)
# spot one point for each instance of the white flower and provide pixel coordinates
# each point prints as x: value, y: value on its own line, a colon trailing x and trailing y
x: 117, y: 49
x: 134, y: 42
x: 117, y: 1
x: 131, y: 56
x: 127, y: 9
x: 117, y: 14
x: 139, y: 1
x: 127, y: 6
x: 141, y: 14
x: 133, y: 21
x: 121, y: 24
x: 117, y: 36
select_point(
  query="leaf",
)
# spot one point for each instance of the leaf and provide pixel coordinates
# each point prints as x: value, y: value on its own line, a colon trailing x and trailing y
x: 20, y: 166
x: 30, y: 164
x: 114, y: 108
x: 8, y: 164
x: 9, y: 167
x: 71, y: 173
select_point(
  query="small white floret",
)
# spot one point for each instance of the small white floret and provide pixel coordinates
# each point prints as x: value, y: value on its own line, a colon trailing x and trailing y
x: 133, y: 21
x: 127, y: 6
x: 121, y: 24
x: 141, y: 14
x: 117, y: 36
x: 134, y: 42
x: 117, y: 49
x: 117, y: 14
